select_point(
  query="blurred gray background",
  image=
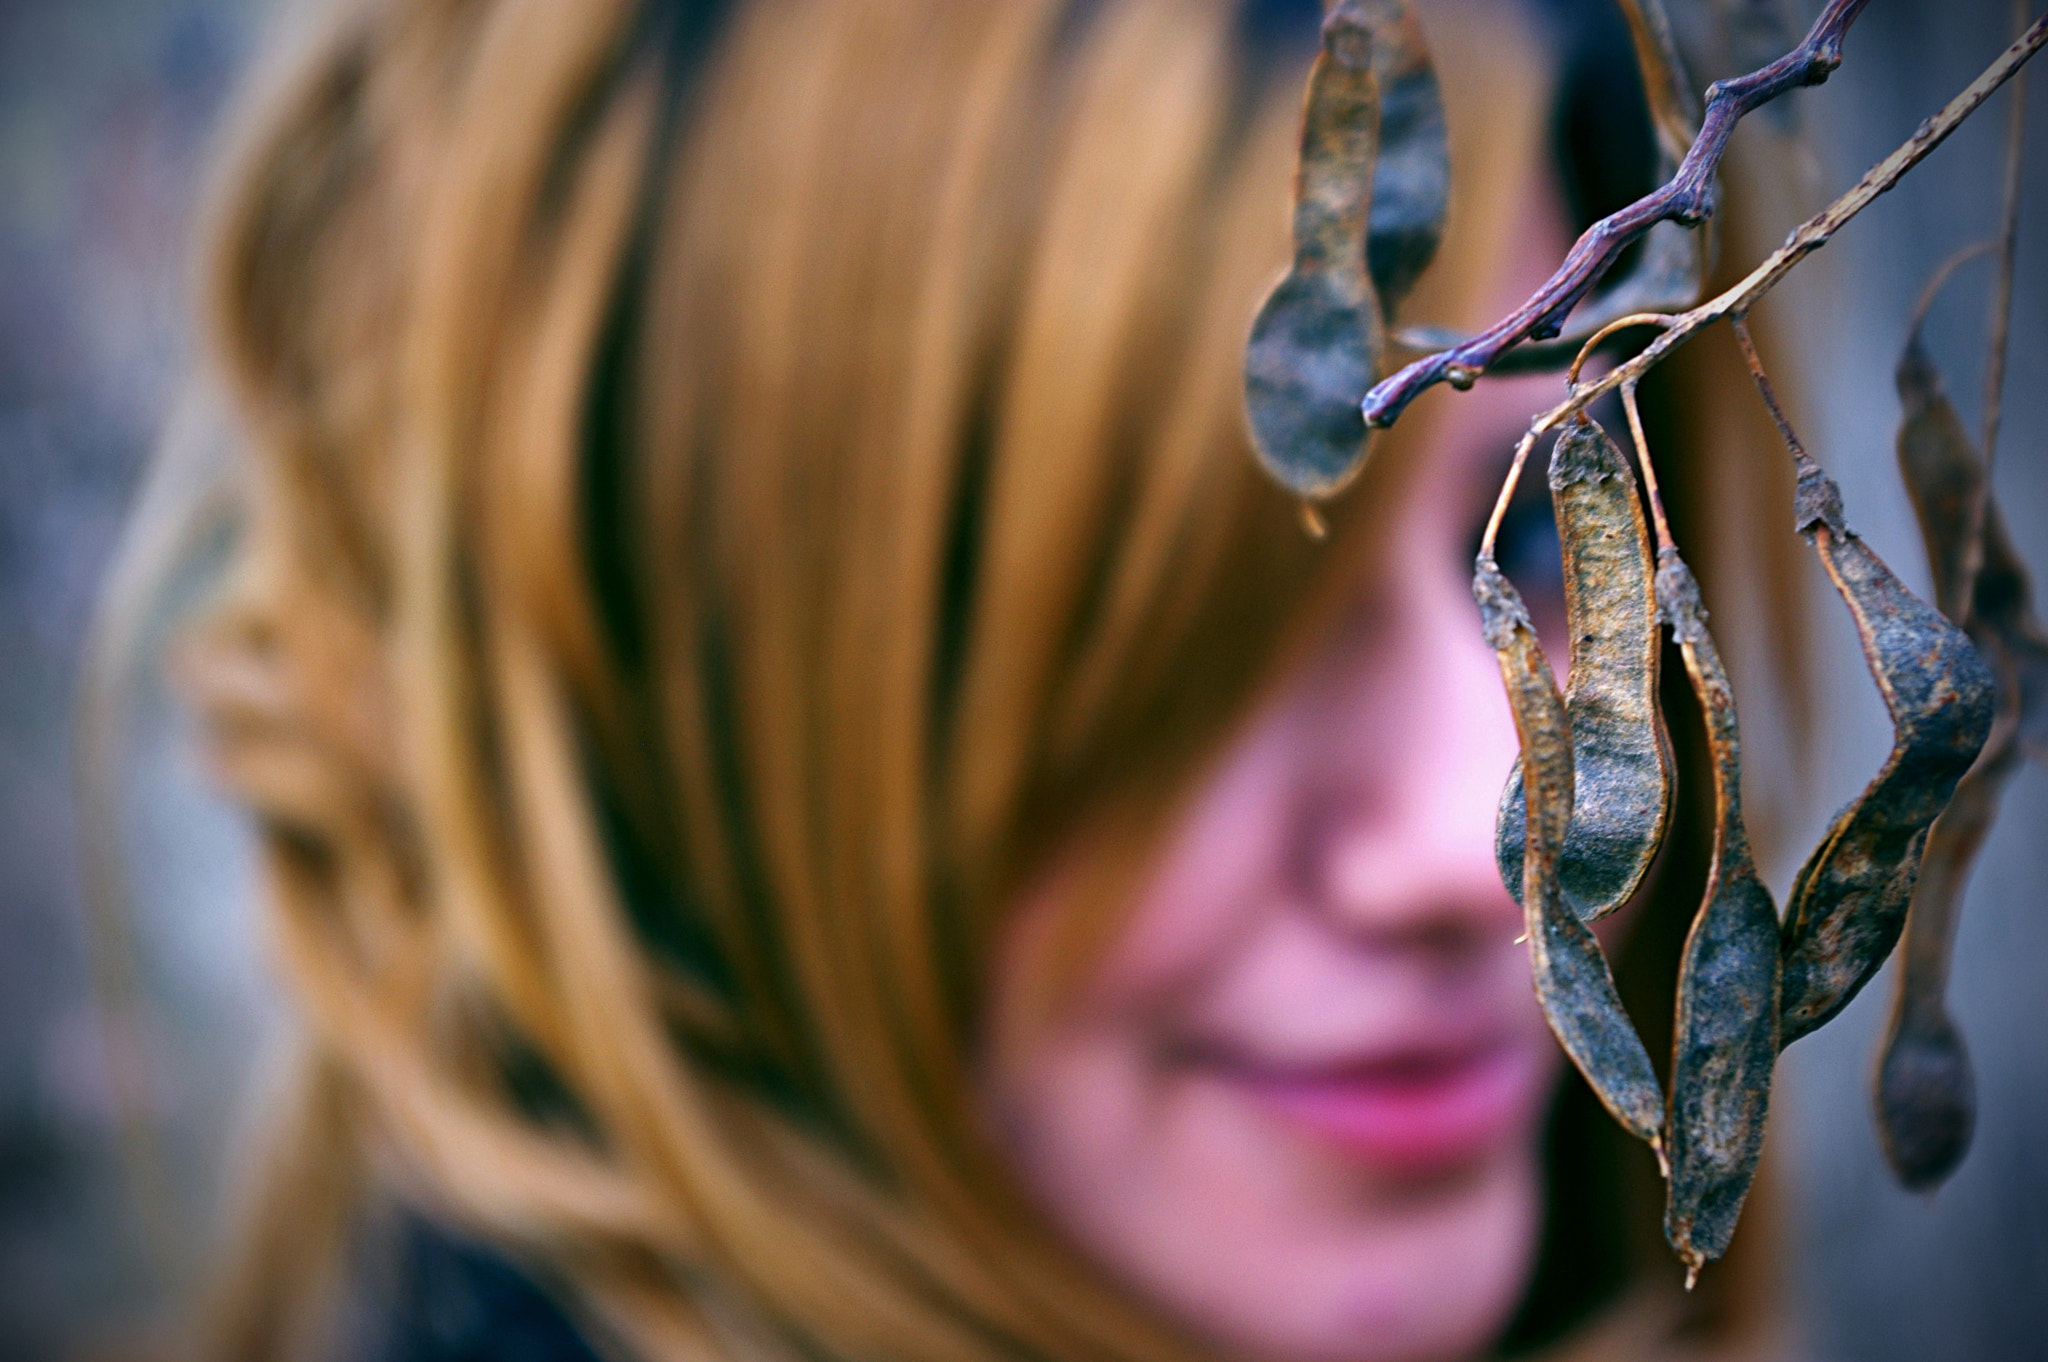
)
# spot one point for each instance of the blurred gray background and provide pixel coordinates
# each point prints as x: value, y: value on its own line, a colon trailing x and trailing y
x: 1963, y: 1273
x: 107, y: 109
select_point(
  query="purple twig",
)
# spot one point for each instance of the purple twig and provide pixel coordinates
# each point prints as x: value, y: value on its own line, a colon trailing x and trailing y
x: 1687, y: 198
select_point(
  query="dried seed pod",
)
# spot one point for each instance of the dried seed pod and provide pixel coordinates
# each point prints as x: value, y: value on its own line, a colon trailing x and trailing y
x: 1315, y: 345
x: 1411, y: 184
x: 1926, y: 1099
x: 1674, y: 108
x: 1945, y: 478
x: 1943, y: 475
x: 2002, y: 614
x: 1573, y: 982
x: 1725, y: 1037
x: 1850, y: 898
x: 1621, y: 755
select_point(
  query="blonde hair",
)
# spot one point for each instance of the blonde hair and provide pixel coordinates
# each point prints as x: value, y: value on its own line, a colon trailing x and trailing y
x: 718, y: 508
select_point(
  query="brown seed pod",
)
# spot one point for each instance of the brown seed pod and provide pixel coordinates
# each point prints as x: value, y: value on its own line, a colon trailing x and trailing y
x: 1849, y: 900
x: 1943, y: 475
x: 1573, y: 983
x: 1621, y: 754
x: 1926, y: 1097
x: 1370, y: 198
x: 1411, y: 183
x: 2002, y: 617
x: 1725, y: 1037
x: 1315, y: 345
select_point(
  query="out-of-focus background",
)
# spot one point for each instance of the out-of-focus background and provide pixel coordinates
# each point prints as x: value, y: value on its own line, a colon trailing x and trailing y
x: 106, y: 110
x: 1886, y: 1274
x: 107, y: 113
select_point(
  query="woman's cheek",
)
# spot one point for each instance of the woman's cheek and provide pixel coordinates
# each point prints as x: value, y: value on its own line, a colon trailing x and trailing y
x: 1238, y: 1227
x: 1223, y: 868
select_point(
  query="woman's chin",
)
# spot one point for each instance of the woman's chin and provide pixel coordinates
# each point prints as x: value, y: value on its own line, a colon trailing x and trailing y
x: 1300, y: 1224
x: 1375, y: 1234
x: 1434, y: 1284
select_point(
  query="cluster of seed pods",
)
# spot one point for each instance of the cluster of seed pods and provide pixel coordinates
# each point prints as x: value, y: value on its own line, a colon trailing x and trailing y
x: 1749, y: 984
x: 1589, y: 802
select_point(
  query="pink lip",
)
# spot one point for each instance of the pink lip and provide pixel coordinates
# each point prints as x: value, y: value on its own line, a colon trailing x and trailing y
x: 1418, y: 1113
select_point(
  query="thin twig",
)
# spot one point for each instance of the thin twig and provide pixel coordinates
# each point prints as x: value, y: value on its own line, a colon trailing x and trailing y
x: 2008, y: 242
x: 1805, y: 239
x: 1658, y: 319
x: 1939, y: 280
x: 1739, y: 323
x: 1673, y: 109
x: 1687, y: 198
x: 1635, y: 434
x: 1507, y: 494
x: 1507, y: 488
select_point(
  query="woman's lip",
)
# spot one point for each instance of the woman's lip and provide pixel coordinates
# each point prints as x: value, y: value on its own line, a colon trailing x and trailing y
x: 1419, y: 1112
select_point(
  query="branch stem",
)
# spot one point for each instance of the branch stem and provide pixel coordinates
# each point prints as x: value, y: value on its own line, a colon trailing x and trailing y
x: 1658, y: 319
x: 1939, y: 280
x: 1740, y: 325
x: 1687, y: 198
x: 1805, y: 239
x: 1507, y: 493
x: 1635, y: 434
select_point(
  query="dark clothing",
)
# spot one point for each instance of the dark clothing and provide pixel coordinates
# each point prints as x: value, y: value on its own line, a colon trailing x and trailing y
x: 452, y: 1300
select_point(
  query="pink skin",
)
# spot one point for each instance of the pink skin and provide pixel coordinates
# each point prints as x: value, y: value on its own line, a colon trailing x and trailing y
x: 1297, y: 1106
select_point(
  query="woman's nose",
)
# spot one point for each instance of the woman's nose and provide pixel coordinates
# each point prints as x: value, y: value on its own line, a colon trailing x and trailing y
x: 1416, y: 742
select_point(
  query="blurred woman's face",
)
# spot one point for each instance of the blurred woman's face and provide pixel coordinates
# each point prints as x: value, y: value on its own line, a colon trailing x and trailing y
x: 1298, y: 1102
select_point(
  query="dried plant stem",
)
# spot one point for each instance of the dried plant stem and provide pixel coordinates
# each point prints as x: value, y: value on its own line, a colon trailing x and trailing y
x: 2004, y: 248
x: 1507, y: 493
x: 1635, y: 434
x: 1739, y: 323
x: 2008, y: 241
x: 1673, y: 109
x: 1805, y: 239
x: 1514, y: 477
x: 1658, y: 319
x: 1939, y: 280
x: 1688, y: 198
